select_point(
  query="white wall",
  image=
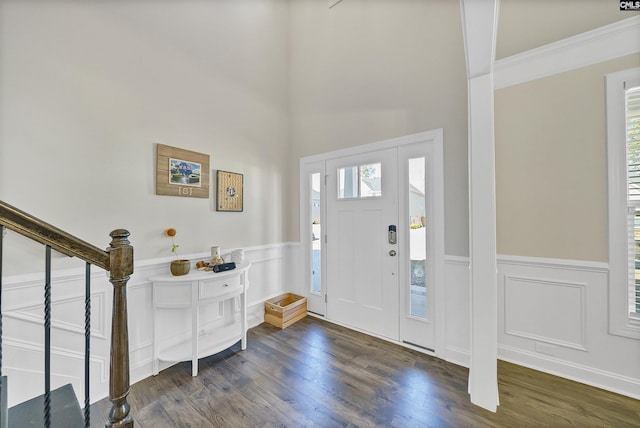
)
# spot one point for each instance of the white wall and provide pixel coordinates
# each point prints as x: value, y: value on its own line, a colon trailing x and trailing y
x: 89, y: 88
x: 369, y: 70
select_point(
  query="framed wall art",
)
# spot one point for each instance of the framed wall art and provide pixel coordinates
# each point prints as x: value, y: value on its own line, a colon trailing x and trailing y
x: 229, y: 192
x: 181, y: 172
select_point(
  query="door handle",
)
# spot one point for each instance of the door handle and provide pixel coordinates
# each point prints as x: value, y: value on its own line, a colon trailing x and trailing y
x: 392, y: 253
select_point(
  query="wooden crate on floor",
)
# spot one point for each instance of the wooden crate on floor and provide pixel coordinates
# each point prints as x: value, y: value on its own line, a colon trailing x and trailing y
x: 284, y: 310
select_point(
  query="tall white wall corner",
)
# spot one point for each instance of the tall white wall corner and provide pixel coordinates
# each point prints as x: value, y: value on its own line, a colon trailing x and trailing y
x: 479, y: 20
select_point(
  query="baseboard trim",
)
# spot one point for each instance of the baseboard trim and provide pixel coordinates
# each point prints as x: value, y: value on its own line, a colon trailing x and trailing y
x: 458, y: 356
x: 594, y: 377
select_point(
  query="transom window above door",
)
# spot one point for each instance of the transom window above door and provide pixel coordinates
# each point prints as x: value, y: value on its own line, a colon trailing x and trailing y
x: 363, y: 181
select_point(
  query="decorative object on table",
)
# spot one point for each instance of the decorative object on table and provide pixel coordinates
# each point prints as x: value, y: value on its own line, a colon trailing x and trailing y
x: 229, y: 191
x: 178, y: 266
x: 204, y: 265
x: 284, y: 310
x: 224, y: 267
x: 216, y: 259
x: 237, y: 256
x: 181, y: 172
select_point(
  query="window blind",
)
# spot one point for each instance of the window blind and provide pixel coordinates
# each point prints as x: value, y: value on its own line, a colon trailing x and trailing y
x: 632, y: 118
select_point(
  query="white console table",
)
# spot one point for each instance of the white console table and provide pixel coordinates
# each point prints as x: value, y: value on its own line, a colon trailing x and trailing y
x: 188, y: 293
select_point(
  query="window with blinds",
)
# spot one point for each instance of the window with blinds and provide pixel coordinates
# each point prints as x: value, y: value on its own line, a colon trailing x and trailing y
x: 623, y: 185
x: 632, y: 121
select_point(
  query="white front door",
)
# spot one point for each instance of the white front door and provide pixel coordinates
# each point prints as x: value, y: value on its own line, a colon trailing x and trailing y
x: 362, y: 263
x: 349, y: 200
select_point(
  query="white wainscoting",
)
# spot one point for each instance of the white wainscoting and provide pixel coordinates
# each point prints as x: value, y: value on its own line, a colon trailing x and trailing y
x: 23, y: 332
x: 526, y: 299
x: 458, y: 306
x: 552, y: 317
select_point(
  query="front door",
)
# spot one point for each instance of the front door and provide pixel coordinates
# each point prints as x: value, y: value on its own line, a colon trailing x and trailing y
x: 362, y: 262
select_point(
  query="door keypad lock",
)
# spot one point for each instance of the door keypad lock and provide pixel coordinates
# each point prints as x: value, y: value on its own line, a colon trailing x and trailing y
x: 393, y: 236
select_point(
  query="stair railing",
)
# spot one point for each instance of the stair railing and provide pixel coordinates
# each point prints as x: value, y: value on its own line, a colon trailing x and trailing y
x: 118, y: 261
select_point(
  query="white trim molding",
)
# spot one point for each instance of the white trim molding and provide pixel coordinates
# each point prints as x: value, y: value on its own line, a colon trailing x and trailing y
x: 602, y: 44
x: 580, y: 265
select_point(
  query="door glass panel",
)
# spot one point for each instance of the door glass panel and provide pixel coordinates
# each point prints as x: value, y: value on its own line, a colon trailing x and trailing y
x: 316, y: 234
x: 348, y: 182
x: 364, y: 181
x: 370, y: 180
x: 417, y: 238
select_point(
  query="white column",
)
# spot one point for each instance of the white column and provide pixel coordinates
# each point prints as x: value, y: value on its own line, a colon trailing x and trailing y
x: 483, y: 375
x: 479, y: 20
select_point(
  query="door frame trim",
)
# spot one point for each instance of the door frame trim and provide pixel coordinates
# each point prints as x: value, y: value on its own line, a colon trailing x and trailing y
x: 435, y: 139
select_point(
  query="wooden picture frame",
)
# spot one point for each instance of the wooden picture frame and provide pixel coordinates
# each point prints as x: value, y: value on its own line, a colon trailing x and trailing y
x: 229, y: 194
x: 181, y: 172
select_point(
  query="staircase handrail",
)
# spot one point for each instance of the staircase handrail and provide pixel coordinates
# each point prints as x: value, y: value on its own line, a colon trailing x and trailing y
x: 118, y: 261
x: 34, y: 228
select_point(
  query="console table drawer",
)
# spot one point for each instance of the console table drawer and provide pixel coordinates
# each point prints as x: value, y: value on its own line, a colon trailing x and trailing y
x: 218, y: 287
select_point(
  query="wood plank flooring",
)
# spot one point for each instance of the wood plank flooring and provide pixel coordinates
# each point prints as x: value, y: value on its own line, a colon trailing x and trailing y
x: 317, y: 374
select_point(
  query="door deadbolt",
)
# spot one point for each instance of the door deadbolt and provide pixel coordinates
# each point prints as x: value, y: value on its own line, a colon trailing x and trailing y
x: 392, y: 235
x: 392, y: 253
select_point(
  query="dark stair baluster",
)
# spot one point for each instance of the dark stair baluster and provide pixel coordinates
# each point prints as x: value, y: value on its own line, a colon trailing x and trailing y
x: 3, y: 379
x: 87, y: 343
x: 47, y: 339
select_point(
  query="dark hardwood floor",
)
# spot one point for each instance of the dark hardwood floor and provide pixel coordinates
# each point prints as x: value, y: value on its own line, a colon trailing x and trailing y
x: 317, y: 374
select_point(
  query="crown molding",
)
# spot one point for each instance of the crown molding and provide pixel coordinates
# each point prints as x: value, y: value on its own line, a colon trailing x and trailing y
x: 602, y: 44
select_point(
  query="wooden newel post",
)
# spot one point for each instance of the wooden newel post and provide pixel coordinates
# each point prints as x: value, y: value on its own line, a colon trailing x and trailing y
x: 121, y: 266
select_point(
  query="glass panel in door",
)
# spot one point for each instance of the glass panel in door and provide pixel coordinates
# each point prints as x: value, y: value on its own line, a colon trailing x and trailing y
x: 316, y: 234
x: 417, y: 239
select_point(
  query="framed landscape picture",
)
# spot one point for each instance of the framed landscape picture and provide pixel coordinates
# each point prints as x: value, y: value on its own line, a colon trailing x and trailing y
x: 181, y: 172
x: 229, y: 192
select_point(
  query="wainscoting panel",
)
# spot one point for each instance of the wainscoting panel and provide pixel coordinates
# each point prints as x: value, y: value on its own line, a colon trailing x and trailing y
x: 546, y: 302
x: 23, y: 333
x: 457, y: 298
x: 553, y: 317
